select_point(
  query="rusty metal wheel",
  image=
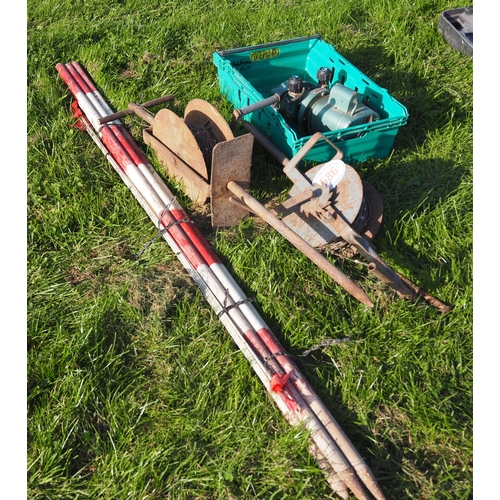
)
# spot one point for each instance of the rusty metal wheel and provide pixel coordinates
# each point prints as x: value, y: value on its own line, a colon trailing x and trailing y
x: 201, y: 114
x: 367, y: 222
x: 369, y: 219
x: 375, y: 211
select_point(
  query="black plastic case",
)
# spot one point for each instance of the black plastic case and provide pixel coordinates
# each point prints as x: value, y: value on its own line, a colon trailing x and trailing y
x: 456, y: 27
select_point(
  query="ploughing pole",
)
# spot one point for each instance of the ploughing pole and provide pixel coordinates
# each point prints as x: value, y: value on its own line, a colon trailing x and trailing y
x: 344, y: 468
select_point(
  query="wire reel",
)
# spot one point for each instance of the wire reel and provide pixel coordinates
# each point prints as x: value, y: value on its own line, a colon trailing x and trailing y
x: 193, y: 137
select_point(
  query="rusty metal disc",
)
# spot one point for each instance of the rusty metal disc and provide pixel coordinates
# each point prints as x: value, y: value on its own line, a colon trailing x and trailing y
x: 201, y: 114
x: 375, y: 210
x: 174, y: 133
x: 368, y: 222
x: 347, y: 198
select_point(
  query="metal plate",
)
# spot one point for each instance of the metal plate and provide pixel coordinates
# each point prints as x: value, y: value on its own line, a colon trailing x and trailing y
x: 190, y: 181
x: 175, y: 134
x: 231, y: 161
x: 347, y: 198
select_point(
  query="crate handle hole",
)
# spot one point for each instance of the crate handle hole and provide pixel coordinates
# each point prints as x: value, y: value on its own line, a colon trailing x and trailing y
x: 264, y: 54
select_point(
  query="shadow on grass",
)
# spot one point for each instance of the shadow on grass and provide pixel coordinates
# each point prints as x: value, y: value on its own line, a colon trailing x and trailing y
x: 428, y: 101
x: 422, y: 206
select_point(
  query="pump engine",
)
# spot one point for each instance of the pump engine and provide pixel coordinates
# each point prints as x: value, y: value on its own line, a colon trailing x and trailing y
x: 319, y: 108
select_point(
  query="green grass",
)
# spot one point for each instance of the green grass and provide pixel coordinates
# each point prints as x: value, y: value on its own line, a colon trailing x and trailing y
x: 135, y: 389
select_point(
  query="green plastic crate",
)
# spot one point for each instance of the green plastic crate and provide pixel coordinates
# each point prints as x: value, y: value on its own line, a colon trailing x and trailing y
x: 248, y: 75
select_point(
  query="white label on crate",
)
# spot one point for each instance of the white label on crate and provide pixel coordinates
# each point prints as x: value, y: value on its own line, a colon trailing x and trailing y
x: 330, y: 173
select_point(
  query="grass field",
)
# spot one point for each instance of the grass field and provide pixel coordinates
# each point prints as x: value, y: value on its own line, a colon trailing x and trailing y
x: 135, y: 389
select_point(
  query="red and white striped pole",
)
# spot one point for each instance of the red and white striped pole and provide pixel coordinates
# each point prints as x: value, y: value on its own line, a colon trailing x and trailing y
x: 292, y: 393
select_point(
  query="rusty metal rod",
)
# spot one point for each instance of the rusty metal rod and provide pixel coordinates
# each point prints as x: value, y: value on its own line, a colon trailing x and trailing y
x: 430, y: 299
x: 322, y: 262
x: 141, y: 112
x: 238, y: 113
x: 388, y: 276
x: 376, y: 265
x: 404, y: 287
x: 130, y: 111
x: 266, y: 143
